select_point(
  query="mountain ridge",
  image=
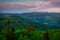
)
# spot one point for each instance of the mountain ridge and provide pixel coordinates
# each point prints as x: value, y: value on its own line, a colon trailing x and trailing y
x: 37, y: 19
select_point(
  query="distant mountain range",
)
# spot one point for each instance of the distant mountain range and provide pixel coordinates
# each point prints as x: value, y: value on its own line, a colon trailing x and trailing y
x: 50, y: 18
x: 38, y: 19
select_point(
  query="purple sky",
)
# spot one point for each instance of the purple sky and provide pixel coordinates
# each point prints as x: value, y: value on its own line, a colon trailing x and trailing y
x: 18, y: 6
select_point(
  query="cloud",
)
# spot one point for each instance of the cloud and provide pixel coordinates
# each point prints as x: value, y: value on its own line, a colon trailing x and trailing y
x: 50, y: 6
x: 15, y: 7
x: 18, y: 6
x: 55, y: 3
x: 48, y: 0
x: 53, y: 10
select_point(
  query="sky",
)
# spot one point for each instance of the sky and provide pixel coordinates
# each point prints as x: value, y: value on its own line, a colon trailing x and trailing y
x: 20, y: 6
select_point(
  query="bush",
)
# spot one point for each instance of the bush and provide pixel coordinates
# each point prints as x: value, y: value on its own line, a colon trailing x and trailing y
x: 23, y: 38
x: 2, y: 37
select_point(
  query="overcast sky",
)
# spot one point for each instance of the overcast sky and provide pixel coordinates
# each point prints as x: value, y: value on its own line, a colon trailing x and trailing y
x: 18, y: 6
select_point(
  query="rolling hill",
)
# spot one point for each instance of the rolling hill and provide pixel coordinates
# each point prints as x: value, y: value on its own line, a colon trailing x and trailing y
x: 40, y: 20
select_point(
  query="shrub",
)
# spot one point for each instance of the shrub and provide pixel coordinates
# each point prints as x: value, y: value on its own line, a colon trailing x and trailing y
x: 2, y: 37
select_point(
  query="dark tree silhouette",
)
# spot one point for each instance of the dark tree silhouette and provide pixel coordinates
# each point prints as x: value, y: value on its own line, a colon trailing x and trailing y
x: 1, y: 27
x: 46, y: 36
x: 12, y: 35
x: 9, y: 31
x: 0, y: 30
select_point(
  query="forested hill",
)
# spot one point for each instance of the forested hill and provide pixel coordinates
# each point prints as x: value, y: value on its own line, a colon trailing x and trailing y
x: 39, y: 20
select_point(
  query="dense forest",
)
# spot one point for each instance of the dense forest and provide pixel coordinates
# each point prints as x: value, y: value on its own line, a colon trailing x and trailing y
x: 18, y: 28
x: 9, y: 32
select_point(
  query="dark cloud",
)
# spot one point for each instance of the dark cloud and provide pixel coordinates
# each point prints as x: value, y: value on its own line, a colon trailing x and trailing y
x: 22, y: 6
x: 49, y: 0
x: 55, y: 3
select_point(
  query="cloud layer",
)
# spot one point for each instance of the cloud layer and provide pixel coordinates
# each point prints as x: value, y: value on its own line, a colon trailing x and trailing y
x: 31, y: 6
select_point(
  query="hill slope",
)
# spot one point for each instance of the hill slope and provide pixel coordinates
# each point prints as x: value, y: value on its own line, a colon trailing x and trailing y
x: 40, y: 20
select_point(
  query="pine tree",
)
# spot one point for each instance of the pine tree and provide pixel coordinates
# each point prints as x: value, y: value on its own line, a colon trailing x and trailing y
x: 12, y: 34
x: 9, y: 31
x: 0, y: 30
x: 46, y: 36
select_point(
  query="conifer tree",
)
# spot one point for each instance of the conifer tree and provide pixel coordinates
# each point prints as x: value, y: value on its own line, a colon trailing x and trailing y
x: 46, y: 36
x: 0, y: 27
x: 0, y: 30
x: 9, y: 31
